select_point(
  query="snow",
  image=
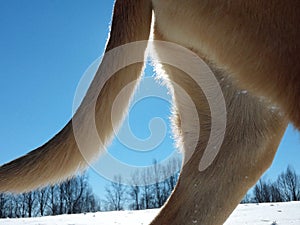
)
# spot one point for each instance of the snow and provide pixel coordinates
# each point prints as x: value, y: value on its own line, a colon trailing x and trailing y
x: 266, y: 214
x: 142, y: 217
x: 258, y: 214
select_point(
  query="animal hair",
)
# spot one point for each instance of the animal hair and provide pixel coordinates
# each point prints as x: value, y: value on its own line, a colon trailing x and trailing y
x: 248, y: 44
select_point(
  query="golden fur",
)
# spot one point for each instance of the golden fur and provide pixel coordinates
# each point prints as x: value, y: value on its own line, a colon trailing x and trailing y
x: 251, y: 45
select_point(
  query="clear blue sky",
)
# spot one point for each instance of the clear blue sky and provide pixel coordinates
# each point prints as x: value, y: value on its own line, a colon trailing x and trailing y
x: 45, y: 47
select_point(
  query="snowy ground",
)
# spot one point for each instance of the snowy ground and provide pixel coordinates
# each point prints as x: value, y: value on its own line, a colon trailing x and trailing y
x: 262, y: 214
x: 266, y: 214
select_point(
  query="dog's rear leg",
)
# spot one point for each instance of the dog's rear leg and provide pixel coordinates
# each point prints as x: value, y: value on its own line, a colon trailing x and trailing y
x: 253, y: 132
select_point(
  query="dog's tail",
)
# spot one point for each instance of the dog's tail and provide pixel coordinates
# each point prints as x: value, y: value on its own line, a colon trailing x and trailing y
x: 61, y: 157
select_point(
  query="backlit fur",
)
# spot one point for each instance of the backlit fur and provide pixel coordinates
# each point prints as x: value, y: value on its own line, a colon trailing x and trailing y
x: 249, y: 44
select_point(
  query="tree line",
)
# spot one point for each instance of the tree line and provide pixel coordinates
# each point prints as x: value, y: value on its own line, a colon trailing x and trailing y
x: 76, y: 196
x: 284, y: 189
x: 119, y: 197
x: 158, y: 183
x: 70, y: 197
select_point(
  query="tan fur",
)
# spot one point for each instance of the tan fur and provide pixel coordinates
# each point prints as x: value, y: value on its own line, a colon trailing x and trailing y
x: 248, y: 44
x: 60, y: 158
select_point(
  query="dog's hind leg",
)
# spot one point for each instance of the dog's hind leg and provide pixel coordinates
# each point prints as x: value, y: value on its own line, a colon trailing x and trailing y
x: 253, y: 132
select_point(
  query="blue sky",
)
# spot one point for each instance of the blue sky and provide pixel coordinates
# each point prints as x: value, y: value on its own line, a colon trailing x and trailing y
x: 45, y: 48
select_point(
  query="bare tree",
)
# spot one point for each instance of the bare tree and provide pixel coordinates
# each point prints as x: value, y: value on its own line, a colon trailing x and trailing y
x: 21, y: 207
x: 9, y: 206
x: 3, y: 202
x: 147, y: 195
x: 115, y: 194
x: 134, y: 191
x: 91, y: 202
x: 42, y: 196
x: 289, y: 183
x: 276, y: 193
x: 73, y: 196
x: 154, y: 195
x: 62, y: 199
x: 262, y: 191
x: 80, y: 187
x: 171, y: 171
x: 158, y: 185
x: 29, y: 200
x: 52, y: 203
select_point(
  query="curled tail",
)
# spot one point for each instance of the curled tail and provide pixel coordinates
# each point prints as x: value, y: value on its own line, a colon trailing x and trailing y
x: 61, y: 157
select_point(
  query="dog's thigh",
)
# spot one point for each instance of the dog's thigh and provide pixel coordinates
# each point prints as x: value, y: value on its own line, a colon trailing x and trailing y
x: 253, y: 132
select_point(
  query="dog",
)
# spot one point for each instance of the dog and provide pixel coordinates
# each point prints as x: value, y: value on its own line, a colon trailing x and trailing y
x: 248, y: 45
